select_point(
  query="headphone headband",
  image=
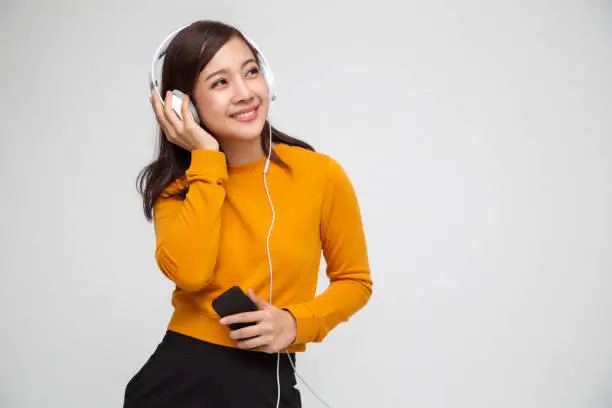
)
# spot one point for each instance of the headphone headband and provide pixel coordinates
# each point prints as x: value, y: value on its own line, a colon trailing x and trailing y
x: 161, y: 51
x: 163, y: 47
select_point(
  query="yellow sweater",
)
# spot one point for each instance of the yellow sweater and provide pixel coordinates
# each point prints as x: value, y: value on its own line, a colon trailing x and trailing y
x: 216, y: 238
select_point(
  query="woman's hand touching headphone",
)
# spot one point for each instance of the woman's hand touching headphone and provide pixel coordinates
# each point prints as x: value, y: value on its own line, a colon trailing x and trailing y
x: 185, y: 133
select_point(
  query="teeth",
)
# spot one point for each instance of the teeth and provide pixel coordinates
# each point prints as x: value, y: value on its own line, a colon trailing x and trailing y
x: 245, y: 115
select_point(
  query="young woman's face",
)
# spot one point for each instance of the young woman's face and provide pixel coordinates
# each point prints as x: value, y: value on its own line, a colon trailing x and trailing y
x: 231, y: 94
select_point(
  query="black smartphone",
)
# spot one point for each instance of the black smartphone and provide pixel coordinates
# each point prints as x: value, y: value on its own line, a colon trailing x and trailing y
x: 234, y: 301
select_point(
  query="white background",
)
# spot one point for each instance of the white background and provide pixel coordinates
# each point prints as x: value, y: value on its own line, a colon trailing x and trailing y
x: 478, y: 137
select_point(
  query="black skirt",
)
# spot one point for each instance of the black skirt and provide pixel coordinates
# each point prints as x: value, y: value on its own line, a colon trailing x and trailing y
x: 185, y: 372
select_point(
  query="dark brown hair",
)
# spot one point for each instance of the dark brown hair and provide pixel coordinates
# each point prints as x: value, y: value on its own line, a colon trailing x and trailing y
x: 187, y: 55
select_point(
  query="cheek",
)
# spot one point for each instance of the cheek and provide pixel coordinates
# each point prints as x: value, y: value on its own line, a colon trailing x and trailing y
x: 212, y: 109
x: 262, y: 90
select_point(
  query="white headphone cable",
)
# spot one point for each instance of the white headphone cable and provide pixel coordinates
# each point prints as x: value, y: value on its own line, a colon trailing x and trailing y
x: 305, y: 383
x: 265, y: 179
x: 265, y: 173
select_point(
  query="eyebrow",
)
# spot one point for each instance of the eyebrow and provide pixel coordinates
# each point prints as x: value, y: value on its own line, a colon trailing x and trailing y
x: 224, y: 70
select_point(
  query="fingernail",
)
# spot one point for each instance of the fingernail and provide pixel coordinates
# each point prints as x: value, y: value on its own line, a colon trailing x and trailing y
x: 222, y: 321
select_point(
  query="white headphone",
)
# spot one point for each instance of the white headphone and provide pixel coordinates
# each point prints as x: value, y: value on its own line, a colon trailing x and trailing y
x: 178, y: 95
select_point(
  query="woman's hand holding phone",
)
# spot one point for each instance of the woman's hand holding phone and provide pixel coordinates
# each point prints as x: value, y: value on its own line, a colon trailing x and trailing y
x: 274, y: 328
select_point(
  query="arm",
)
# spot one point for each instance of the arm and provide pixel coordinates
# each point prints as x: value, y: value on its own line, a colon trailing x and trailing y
x: 187, y: 231
x: 344, y: 248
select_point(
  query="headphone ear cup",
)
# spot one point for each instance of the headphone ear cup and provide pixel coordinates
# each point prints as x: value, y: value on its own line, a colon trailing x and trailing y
x: 177, y: 101
x: 194, y: 112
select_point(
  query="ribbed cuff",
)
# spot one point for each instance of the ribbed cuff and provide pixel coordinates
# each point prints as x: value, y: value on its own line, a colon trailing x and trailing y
x: 209, y: 165
x: 306, y: 323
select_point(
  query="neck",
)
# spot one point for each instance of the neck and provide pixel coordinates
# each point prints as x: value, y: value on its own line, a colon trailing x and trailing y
x: 243, y: 152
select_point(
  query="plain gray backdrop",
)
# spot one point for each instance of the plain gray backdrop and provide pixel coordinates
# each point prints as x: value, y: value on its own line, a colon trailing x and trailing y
x: 477, y: 135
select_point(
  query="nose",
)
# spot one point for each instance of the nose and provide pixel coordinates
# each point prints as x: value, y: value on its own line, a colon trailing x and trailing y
x: 242, y: 92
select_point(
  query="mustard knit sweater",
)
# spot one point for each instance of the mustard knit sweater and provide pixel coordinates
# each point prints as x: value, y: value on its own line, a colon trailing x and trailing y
x: 215, y: 238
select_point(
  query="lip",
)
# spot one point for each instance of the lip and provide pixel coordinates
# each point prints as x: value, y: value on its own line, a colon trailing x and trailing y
x: 248, y: 119
x: 245, y: 110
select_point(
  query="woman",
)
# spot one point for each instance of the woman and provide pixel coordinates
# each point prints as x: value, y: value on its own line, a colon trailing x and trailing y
x: 213, y: 196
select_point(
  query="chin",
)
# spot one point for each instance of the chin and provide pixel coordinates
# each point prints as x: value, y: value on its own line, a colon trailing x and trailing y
x: 242, y: 137
x: 245, y: 131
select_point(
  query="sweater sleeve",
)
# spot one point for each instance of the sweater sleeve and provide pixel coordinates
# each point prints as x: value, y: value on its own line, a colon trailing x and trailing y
x: 187, y: 230
x: 345, y: 252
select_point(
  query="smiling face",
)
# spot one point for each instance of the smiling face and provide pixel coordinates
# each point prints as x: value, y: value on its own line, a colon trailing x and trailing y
x: 232, y: 95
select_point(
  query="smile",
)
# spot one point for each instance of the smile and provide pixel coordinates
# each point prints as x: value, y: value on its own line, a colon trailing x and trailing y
x: 246, y: 116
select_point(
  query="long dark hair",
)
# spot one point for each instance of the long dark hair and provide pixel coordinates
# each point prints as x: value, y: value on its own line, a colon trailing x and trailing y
x: 187, y: 55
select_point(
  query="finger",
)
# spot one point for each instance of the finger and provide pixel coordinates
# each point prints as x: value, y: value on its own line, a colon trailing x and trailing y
x: 245, y: 317
x: 158, y: 108
x: 250, y: 331
x: 259, y: 302
x: 157, y: 102
x: 185, y: 113
x: 171, y: 115
x: 173, y: 123
x: 165, y: 126
x: 254, y: 342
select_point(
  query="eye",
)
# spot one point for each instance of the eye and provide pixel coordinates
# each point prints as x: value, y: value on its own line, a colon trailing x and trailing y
x: 253, y: 71
x: 218, y: 83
